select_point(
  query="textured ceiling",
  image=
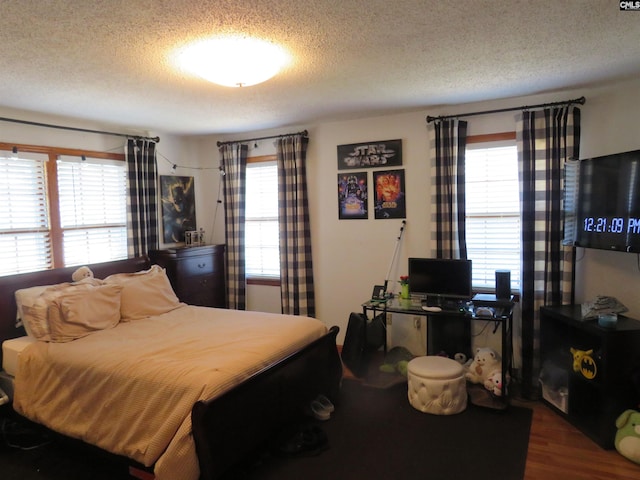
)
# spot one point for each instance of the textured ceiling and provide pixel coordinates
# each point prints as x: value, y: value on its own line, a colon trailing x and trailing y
x: 110, y: 61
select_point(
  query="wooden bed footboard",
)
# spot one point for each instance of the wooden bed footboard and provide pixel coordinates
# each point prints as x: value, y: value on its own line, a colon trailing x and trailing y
x: 229, y: 427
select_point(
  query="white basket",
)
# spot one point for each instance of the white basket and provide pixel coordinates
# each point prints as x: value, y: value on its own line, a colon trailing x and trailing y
x: 558, y: 398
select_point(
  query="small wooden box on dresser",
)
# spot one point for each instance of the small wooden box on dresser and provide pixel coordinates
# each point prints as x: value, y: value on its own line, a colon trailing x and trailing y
x: 196, y: 273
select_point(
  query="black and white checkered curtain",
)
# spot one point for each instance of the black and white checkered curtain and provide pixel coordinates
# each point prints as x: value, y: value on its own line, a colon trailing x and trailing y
x: 546, y: 139
x: 296, y: 269
x: 447, y: 146
x: 234, y: 165
x: 142, y: 200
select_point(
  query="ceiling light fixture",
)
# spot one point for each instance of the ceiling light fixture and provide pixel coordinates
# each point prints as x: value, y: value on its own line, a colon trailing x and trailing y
x: 233, y: 61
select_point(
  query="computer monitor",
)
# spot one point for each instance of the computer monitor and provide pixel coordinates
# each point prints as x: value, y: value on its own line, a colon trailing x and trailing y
x: 435, y: 278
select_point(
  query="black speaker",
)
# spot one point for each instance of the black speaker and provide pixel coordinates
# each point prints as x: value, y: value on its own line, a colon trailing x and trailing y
x: 503, y: 284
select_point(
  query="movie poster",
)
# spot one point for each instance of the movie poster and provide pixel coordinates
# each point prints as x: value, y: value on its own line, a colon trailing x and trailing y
x: 352, y: 195
x: 390, y: 199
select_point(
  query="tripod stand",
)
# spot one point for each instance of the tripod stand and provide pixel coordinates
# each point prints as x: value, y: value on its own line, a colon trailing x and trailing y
x: 395, y: 254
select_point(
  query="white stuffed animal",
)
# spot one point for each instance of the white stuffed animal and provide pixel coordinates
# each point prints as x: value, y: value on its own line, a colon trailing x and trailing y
x: 82, y: 273
x: 85, y: 275
x: 493, y: 383
x: 485, y: 362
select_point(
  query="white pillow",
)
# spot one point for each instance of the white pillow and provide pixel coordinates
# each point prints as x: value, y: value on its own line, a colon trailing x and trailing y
x: 36, y: 322
x: 146, y: 293
x: 37, y: 315
x: 76, y: 312
x: 27, y: 297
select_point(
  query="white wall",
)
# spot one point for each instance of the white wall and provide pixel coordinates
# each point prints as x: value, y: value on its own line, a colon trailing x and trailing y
x: 350, y: 256
x: 191, y: 161
x: 11, y: 132
x: 610, y: 124
x: 171, y: 150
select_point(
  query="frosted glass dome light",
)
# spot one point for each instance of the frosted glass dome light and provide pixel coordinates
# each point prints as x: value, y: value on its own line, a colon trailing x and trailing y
x: 233, y: 61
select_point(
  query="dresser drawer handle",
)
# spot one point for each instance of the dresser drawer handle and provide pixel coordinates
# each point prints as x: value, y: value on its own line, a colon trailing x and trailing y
x: 202, y: 265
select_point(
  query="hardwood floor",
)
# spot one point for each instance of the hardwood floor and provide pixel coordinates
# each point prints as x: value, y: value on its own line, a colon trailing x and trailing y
x: 558, y: 450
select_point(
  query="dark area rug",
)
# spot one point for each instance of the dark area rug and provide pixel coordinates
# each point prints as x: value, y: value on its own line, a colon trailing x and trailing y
x: 376, y: 434
x: 373, y: 434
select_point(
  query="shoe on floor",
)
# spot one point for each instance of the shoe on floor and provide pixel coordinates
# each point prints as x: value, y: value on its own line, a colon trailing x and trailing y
x: 309, y: 440
x: 326, y: 403
x: 319, y: 411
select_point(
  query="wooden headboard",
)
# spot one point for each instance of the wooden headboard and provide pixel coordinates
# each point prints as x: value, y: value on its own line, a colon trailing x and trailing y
x: 9, y: 284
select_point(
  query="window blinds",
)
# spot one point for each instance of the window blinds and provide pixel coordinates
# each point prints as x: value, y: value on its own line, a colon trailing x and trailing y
x: 25, y: 242
x: 92, y: 197
x: 493, y: 213
x: 570, y: 200
x: 262, y: 242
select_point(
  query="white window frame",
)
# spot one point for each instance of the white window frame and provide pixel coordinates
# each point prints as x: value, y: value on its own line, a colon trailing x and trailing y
x: 262, y: 252
x: 483, y: 244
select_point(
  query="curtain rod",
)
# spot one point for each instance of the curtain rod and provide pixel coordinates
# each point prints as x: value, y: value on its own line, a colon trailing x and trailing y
x: 86, y: 130
x: 580, y: 100
x: 304, y: 132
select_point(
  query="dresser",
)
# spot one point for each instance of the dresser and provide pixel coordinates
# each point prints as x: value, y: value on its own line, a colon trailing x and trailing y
x: 196, y: 273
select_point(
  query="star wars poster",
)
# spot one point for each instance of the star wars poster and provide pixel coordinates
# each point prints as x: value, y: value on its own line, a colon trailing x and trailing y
x: 352, y: 195
x: 380, y: 153
x: 390, y: 200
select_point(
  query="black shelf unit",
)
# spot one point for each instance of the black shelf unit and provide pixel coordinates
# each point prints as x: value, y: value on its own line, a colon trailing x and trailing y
x: 594, y: 396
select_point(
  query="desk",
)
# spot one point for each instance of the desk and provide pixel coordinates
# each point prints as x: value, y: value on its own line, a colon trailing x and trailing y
x: 449, y: 332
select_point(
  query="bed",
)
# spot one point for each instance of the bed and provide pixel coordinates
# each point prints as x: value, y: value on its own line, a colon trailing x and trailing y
x: 190, y: 408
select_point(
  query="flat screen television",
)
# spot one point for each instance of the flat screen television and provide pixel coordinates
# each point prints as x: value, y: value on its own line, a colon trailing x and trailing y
x: 607, y: 210
x: 440, y: 278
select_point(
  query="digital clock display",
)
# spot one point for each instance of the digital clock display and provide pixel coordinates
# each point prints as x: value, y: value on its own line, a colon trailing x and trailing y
x: 618, y: 225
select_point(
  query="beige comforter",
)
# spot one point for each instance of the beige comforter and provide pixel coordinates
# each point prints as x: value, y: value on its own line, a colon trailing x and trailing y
x: 130, y: 389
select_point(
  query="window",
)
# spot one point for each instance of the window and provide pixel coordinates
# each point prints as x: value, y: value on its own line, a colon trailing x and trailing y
x: 60, y: 210
x: 570, y: 201
x: 262, y: 243
x: 93, y: 215
x: 493, y: 211
x: 25, y: 243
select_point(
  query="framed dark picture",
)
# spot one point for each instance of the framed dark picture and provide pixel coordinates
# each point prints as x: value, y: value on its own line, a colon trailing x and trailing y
x: 378, y: 292
x: 178, y: 207
x: 390, y: 197
x: 353, y: 195
x: 380, y: 153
